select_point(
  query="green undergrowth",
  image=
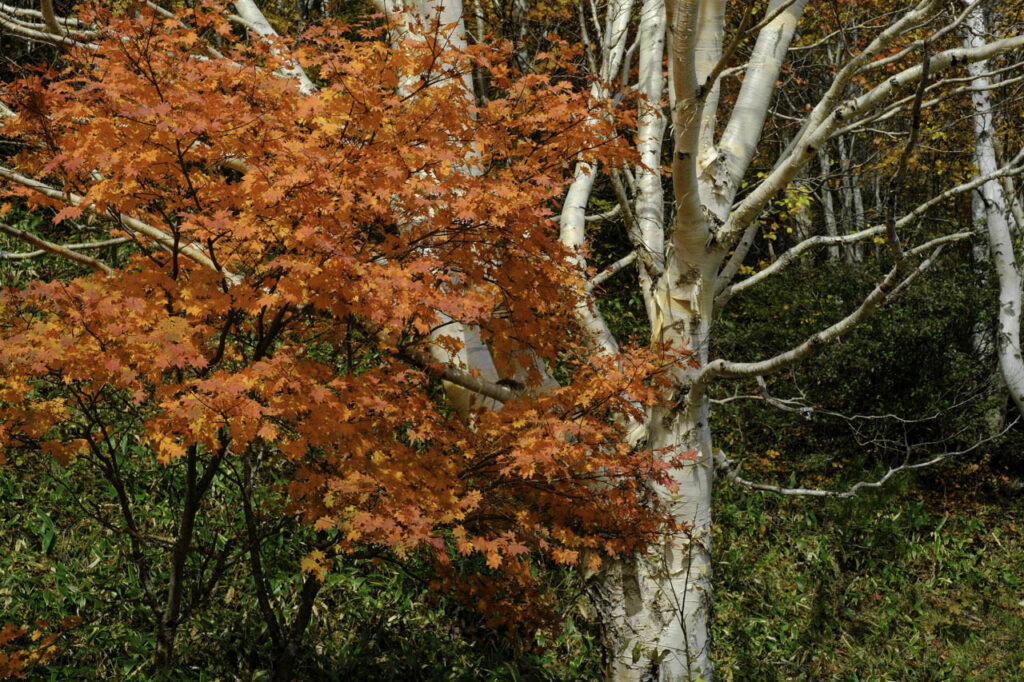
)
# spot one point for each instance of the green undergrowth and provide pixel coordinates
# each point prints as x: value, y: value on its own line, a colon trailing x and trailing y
x: 374, y: 620
x: 909, y: 583
x: 905, y: 584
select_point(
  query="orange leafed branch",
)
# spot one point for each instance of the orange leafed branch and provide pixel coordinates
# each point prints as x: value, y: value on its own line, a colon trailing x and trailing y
x: 364, y: 213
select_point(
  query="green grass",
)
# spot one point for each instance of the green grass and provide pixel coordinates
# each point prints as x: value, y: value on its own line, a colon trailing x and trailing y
x: 888, y: 586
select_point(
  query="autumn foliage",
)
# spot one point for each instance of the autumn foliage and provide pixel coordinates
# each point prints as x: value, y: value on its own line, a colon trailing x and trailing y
x: 293, y: 253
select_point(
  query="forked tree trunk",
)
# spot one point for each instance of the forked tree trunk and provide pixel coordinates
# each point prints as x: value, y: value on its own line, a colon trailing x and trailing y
x: 656, y: 608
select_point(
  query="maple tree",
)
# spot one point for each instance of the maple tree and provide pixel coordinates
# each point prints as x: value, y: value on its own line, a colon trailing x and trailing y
x: 293, y: 254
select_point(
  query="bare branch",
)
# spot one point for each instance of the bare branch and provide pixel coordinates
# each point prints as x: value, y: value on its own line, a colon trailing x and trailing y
x: 56, y: 249
x: 848, y: 111
x: 789, y: 257
x: 130, y: 224
x: 878, y: 296
x: 732, y: 473
x: 250, y: 13
x: 921, y: 42
x: 609, y: 272
x: 40, y: 33
x: 607, y: 215
x: 13, y: 11
x: 459, y: 377
x: 801, y: 407
x: 8, y: 255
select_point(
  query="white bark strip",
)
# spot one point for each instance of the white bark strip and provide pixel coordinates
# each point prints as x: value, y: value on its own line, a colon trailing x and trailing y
x: 739, y: 141
x: 574, y: 208
x: 708, y: 53
x: 996, y: 213
x: 656, y: 607
x: 650, y: 200
x: 254, y: 18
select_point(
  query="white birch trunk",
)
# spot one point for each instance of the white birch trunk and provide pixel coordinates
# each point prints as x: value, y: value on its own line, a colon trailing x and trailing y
x: 650, y: 199
x: 656, y: 608
x: 828, y: 208
x: 572, y: 220
x: 997, y: 221
x: 854, y: 251
x: 472, y: 354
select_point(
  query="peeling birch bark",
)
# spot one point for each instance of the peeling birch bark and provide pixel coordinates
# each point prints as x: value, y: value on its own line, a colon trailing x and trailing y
x: 992, y: 202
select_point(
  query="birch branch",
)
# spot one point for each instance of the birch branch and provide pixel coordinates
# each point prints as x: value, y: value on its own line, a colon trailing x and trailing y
x: 132, y: 225
x: 57, y: 249
x: 572, y: 221
x: 40, y: 34
x: 429, y: 364
x: 613, y: 269
x: 459, y: 377
x: 13, y: 11
x: 878, y: 296
x: 848, y: 111
x: 739, y: 254
x: 772, y: 15
x: 732, y: 473
x: 800, y: 406
x: 76, y: 34
x: 917, y: 44
x: 607, y: 215
x: 647, y: 255
x: 251, y: 14
x: 650, y: 199
x: 900, y: 106
x: 9, y: 255
x: 846, y: 74
x: 788, y: 257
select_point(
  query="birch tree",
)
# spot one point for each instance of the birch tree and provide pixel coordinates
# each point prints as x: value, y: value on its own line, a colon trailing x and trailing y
x: 690, y: 237
x: 992, y: 209
x: 656, y: 607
